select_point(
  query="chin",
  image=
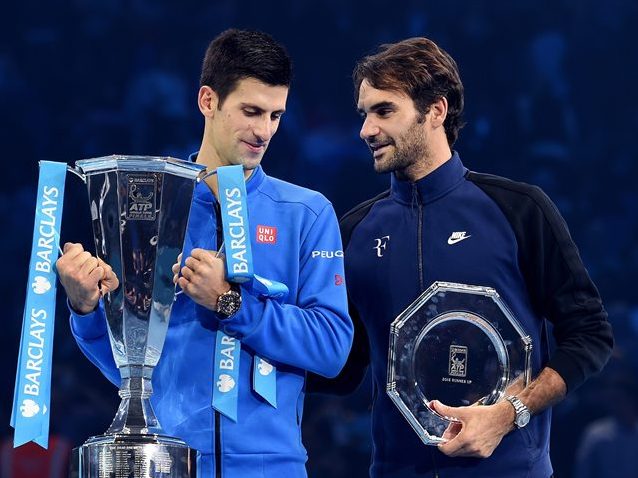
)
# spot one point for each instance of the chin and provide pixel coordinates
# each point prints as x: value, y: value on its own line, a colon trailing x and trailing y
x: 381, y: 166
x: 251, y: 163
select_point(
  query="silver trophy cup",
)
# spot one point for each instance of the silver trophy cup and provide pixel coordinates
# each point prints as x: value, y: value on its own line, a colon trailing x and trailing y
x: 139, y: 210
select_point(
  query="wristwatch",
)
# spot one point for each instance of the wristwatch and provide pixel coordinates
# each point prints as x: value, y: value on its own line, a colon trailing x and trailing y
x: 522, y: 412
x: 229, y: 302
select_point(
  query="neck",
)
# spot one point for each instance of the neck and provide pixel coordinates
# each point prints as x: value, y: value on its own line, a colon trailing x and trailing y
x: 207, y: 156
x: 431, y: 160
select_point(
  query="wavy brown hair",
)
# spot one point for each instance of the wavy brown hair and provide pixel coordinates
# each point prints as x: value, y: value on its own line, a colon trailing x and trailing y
x: 420, y: 69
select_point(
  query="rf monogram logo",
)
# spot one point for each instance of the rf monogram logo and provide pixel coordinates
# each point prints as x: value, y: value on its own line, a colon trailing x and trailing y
x: 381, y: 244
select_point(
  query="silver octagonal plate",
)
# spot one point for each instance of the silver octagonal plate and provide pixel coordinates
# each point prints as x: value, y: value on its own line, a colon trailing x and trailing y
x: 458, y: 344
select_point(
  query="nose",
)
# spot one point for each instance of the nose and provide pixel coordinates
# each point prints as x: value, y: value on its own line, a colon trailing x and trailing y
x: 264, y: 129
x: 368, y: 129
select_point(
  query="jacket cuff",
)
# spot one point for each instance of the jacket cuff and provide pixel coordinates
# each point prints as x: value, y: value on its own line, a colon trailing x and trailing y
x: 568, y: 369
x: 249, y: 316
x: 89, y: 326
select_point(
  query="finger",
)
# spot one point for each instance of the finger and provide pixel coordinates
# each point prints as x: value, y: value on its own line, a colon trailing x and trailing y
x: 71, y: 251
x: 175, y: 277
x: 175, y: 268
x: 109, y: 285
x: 455, y: 446
x: 188, y: 273
x: 82, y: 258
x: 452, y: 430
x: 179, y: 258
x: 72, y: 247
x: 184, y: 285
x: 96, y: 276
x: 89, y: 266
x: 108, y: 270
x: 110, y: 280
x: 201, y: 255
x: 450, y: 413
x: 193, y: 263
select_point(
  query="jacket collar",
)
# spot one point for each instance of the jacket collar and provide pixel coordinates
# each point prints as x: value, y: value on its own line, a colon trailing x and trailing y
x: 431, y: 187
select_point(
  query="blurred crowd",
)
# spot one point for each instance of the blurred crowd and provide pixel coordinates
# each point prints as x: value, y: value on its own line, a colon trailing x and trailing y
x: 548, y: 90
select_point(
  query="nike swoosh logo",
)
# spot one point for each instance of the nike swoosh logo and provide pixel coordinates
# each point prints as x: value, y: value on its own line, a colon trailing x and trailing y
x: 454, y: 240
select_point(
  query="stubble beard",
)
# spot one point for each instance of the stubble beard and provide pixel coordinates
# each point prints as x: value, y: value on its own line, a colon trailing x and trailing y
x: 411, y: 148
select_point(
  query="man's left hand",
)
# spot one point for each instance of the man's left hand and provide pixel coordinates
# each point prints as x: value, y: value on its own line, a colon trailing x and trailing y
x: 479, y: 429
x: 203, y: 277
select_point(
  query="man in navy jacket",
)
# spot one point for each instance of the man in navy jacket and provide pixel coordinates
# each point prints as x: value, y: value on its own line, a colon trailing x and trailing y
x: 441, y: 222
x: 295, y: 236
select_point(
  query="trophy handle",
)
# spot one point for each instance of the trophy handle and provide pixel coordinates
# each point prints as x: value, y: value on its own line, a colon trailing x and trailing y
x: 77, y: 172
x: 205, y: 174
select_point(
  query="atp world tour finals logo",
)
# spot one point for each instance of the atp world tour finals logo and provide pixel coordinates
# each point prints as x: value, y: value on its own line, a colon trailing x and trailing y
x: 458, y: 361
x: 142, y: 191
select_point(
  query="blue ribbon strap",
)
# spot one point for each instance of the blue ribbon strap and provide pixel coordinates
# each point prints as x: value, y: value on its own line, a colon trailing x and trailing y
x: 226, y: 375
x: 32, y: 393
x: 232, y: 198
x: 239, y: 267
x: 265, y: 380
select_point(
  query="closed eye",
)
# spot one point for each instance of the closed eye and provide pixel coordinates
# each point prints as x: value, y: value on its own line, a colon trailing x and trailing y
x: 251, y: 111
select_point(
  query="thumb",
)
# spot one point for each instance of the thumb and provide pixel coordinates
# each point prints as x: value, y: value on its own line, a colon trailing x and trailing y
x: 450, y: 413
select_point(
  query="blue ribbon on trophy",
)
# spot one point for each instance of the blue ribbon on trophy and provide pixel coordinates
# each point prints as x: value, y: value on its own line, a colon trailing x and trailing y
x: 239, y: 269
x: 32, y: 393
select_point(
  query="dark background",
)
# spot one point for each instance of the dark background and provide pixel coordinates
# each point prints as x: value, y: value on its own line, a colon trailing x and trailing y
x: 549, y: 100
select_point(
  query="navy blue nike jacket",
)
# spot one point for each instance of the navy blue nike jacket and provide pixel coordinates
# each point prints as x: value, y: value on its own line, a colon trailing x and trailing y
x: 295, y: 240
x: 455, y: 225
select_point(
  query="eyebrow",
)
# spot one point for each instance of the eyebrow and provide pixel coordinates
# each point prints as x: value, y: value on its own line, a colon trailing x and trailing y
x: 258, y: 109
x: 379, y: 106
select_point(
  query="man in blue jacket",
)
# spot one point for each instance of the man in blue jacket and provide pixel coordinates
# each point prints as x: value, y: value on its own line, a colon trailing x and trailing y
x: 441, y: 222
x: 295, y: 239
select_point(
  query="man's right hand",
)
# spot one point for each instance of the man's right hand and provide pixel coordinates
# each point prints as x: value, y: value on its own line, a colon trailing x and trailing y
x: 85, y: 278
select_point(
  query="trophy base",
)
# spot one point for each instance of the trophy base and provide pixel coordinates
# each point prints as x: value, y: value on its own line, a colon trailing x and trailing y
x: 133, y: 456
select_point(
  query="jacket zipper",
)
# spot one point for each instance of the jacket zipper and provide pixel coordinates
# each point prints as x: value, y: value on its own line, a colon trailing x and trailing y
x: 218, y: 444
x: 420, y: 241
x: 218, y: 447
x: 415, y: 193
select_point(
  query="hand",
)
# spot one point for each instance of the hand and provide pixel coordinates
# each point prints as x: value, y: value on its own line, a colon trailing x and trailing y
x: 203, y: 277
x: 84, y: 277
x: 479, y: 429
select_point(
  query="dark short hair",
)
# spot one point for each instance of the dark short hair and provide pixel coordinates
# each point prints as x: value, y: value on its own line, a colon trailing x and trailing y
x: 237, y: 54
x: 421, y: 70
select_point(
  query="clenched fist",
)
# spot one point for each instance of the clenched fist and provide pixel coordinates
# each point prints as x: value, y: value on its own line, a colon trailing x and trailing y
x: 203, y: 277
x: 85, y: 278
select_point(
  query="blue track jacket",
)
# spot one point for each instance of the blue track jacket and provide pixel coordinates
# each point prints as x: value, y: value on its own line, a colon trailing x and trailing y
x: 311, y: 331
x: 455, y: 225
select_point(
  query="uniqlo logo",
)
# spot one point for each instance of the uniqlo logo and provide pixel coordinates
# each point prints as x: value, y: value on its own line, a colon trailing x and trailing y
x: 266, y: 235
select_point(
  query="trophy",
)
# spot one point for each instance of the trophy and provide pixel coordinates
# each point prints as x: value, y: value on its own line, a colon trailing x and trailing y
x: 139, y: 210
x: 458, y: 344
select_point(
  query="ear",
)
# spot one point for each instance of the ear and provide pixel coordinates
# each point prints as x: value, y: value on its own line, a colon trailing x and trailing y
x: 438, y: 111
x: 207, y: 101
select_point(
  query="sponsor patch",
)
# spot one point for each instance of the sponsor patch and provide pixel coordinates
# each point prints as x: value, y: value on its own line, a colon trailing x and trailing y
x: 266, y: 235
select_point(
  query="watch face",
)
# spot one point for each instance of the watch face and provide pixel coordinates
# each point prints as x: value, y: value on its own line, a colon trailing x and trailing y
x: 229, y: 303
x: 522, y: 418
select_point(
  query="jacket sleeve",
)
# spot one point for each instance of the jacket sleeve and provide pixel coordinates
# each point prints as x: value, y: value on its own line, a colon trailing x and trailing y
x: 92, y: 337
x: 315, y: 333
x: 557, y: 281
x: 562, y: 288
x: 354, y: 371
